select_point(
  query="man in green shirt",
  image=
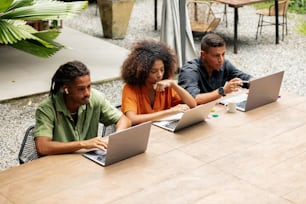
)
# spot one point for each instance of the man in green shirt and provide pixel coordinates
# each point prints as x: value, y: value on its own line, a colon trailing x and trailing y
x: 68, y: 119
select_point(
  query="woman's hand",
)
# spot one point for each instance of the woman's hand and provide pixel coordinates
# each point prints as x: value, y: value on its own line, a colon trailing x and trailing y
x: 180, y: 108
x: 161, y: 85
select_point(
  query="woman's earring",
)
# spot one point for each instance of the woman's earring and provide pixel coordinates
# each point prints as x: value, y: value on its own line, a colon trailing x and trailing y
x: 66, y: 91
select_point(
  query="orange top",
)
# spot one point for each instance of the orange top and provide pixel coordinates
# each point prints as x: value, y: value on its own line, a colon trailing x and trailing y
x: 136, y: 99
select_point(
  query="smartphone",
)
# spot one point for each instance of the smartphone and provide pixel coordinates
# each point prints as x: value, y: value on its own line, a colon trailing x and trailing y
x: 245, y: 83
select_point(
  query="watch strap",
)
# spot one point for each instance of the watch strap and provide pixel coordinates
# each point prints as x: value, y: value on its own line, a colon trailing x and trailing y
x: 221, y: 91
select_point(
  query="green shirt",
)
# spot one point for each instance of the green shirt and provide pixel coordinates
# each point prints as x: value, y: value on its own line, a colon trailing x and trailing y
x: 54, y: 120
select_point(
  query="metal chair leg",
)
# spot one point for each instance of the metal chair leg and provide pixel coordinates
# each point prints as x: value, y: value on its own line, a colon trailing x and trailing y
x: 225, y: 14
x: 258, y: 25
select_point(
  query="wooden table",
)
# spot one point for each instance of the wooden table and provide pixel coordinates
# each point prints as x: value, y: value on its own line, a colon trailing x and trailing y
x: 239, y: 3
x: 253, y: 157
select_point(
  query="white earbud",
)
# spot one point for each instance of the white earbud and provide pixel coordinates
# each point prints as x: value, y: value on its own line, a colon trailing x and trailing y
x: 66, y: 91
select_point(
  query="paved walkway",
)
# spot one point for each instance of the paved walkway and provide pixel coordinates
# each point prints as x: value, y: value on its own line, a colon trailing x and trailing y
x: 22, y: 74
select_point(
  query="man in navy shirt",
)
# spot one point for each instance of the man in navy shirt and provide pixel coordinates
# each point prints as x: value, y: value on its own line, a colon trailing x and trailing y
x: 211, y: 76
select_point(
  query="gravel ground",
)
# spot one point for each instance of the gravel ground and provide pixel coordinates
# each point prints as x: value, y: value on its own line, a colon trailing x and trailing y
x: 255, y: 57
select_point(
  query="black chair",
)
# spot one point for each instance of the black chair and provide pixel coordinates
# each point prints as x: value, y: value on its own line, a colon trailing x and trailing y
x: 28, y: 150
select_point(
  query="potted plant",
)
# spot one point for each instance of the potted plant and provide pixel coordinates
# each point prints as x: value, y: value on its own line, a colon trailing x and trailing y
x: 115, y: 16
x: 15, y: 32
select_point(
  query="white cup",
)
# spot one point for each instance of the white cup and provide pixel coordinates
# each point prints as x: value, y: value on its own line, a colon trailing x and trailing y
x: 230, y: 107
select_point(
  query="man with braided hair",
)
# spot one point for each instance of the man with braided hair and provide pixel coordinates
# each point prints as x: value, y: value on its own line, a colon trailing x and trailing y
x: 68, y: 119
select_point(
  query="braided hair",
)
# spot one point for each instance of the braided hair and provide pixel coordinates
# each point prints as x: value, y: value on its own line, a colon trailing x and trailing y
x: 66, y: 74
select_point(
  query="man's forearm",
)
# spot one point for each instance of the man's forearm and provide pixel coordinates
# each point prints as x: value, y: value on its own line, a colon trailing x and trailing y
x: 53, y: 147
x: 207, y: 97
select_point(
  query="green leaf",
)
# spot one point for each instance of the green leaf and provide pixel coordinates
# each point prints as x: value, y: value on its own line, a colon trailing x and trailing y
x: 15, y: 32
x: 46, y: 11
x: 37, y: 49
x: 47, y: 35
x: 5, y: 4
x: 21, y: 3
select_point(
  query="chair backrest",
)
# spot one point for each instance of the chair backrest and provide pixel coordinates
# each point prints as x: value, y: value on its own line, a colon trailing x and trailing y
x: 28, y: 150
x: 282, y: 8
x: 201, y: 16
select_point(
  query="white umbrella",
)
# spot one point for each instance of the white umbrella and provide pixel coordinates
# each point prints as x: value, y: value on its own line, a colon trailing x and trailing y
x: 172, y: 30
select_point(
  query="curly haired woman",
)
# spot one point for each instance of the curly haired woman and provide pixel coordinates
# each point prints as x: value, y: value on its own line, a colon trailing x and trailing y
x: 150, y: 92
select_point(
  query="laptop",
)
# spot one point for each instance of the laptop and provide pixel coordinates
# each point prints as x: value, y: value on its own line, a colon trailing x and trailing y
x: 262, y: 91
x: 122, y: 145
x: 182, y: 120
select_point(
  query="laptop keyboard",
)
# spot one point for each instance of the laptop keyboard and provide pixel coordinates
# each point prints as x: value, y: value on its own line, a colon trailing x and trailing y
x: 241, y: 104
x: 101, y: 157
x: 172, y: 124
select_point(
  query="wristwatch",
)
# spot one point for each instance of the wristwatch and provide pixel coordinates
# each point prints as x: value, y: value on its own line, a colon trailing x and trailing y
x: 221, y: 91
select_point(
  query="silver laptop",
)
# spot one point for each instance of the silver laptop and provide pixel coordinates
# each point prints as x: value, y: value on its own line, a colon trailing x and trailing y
x: 182, y: 120
x: 262, y: 91
x: 122, y: 145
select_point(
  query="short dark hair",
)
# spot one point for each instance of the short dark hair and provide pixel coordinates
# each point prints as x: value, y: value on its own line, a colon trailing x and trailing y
x: 136, y: 67
x: 211, y: 40
x: 66, y: 74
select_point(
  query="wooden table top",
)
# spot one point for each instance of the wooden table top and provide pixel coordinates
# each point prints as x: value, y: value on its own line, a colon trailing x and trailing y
x: 239, y: 3
x: 253, y: 157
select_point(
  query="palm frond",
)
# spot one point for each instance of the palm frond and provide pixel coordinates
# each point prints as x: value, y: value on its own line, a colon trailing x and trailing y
x: 47, y: 35
x: 13, y: 31
x: 37, y: 49
x: 46, y: 10
x: 21, y: 3
x: 5, y: 4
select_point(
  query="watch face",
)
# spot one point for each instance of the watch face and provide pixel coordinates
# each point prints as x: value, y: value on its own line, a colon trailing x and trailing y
x: 221, y: 91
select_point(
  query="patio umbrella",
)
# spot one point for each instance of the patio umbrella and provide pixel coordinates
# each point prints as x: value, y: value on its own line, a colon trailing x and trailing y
x: 176, y: 31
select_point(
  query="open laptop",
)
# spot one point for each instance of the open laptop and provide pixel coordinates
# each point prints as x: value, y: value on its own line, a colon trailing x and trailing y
x: 262, y: 91
x: 181, y: 120
x: 122, y: 145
